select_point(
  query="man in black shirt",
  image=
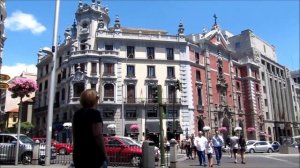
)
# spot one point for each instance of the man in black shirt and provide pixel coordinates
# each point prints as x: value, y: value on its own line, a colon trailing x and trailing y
x: 89, y: 150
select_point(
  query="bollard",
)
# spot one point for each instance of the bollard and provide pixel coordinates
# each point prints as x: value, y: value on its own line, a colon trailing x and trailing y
x: 35, y: 153
x: 173, y: 153
x: 148, y: 159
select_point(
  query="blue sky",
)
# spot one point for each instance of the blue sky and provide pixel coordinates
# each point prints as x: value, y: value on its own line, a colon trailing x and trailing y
x: 29, y: 23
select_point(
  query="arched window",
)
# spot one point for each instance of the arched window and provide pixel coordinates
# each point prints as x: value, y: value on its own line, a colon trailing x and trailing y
x: 85, y: 25
x: 78, y: 89
x: 108, y: 92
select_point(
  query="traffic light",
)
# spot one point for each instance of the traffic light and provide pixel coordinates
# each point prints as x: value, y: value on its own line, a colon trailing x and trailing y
x: 155, y: 94
x: 178, y: 85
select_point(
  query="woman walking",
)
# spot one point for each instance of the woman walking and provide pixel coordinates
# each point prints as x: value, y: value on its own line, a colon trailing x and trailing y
x: 242, y: 144
x: 209, y: 151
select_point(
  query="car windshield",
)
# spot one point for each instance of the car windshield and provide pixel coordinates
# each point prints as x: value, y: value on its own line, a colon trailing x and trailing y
x: 250, y: 142
x: 127, y: 141
x: 25, y: 139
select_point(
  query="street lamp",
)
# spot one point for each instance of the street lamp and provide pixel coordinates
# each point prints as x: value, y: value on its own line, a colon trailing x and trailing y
x: 53, y: 53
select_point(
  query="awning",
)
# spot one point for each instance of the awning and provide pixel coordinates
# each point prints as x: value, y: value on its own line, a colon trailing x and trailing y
x: 153, y: 127
x: 178, y: 128
x: 128, y: 130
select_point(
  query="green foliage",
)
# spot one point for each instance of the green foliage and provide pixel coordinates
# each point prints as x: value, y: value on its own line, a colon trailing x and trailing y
x: 26, y: 127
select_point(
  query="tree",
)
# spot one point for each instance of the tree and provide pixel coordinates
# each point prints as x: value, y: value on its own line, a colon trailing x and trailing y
x: 26, y: 127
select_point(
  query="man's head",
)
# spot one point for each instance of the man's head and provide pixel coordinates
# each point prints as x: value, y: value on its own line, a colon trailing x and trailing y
x: 89, y: 98
x: 217, y: 132
x: 200, y: 133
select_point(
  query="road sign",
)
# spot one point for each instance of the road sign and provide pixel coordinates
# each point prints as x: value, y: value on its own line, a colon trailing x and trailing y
x: 4, y: 77
x: 3, y: 85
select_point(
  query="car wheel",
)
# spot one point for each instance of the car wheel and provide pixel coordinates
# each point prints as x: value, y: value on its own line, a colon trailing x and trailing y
x: 27, y: 158
x: 270, y: 150
x: 62, y: 151
x: 251, y: 151
x: 135, y: 160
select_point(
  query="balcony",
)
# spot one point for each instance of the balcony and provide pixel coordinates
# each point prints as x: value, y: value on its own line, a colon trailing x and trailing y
x: 111, y: 53
x: 134, y: 101
x: 108, y: 74
x: 108, y: 99
x: 171, y: 101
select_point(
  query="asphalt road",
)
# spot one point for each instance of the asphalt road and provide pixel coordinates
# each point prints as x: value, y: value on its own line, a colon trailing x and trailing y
x: 256, y: 160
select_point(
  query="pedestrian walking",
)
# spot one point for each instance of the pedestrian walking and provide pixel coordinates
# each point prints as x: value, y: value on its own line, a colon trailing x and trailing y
x: 218, y: 142
x: 200, y: 143
x: 188, y: 147
x: 242, y: 146
x: 234, y: 146
x: 89, y: 150
x: 209, y: 151
x: 194, y: 149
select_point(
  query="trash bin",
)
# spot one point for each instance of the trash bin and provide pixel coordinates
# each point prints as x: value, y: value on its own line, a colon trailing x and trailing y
x: 148, y: 152
x: 35, y: 153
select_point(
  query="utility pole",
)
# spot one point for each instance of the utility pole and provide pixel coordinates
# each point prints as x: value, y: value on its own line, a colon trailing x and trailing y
x: 157, y: 96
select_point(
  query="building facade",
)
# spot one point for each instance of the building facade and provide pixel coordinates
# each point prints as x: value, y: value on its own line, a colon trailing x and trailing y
x: 122, y: 65
x: 2, y: 35
x: 227, y: 80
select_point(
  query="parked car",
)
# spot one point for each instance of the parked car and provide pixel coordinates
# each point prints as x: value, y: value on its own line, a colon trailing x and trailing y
x: 275, y: 145
x: 8, y: 146
x: 156, y: 149
x: 61, y: 148
x: 259, y: 146
x: 250, y: 142
x: 122, y: 151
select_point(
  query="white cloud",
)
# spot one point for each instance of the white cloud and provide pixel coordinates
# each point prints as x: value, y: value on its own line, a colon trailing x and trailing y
x: 19, y: 21
x: 16, y: 70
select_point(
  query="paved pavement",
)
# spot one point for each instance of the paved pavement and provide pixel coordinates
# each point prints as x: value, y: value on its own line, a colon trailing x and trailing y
x: 257, y: 160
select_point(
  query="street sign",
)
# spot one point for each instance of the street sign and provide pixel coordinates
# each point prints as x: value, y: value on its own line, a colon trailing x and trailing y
x: 4, y: 77
x: 3, y: 85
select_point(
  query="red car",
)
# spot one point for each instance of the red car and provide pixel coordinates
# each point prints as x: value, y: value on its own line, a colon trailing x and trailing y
x: 122, y: 152
x: 61, y: 148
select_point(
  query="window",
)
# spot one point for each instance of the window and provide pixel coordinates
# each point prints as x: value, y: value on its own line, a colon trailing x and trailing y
x: 130, y: 93
x: 236, y: 71
x: 150, y: 93
x: 263, y: 76
x: 199, y: 95
x: 63, y: 94
x: 64, y: 74
x: 197, y: 57
x: 239, y: 102
x: 93, y: 86
x: 264, y: 89
x: 258, y: 103
x: 130, y: 114
x: 152, y: 113
x: 150, y: 53
x: 151, y: 72
x: 108, y: 92
x: 130, y: 71
x: 198, y: 75
x: 238, y: 87
x: 46, y: 85
x: 15, y: 118
x: 40, y: 87
x: 60, y: 61
x: 266, y: 102
x: 170, y: 54
x: 83, y: 45
x: 78, y: 89
x: 109, y: 69
x: 58, y: 78
x: 108, y: 114
x: 130, y: 52
x: 47, y: 69
x: 267, y: 115
x: 109, y: 47
x: 257, y: 87
x: 94, y: 68
x: 85, y: 25
x: 237, y: 45
x: 82, y: 67
x: 65, y: 117
x: 171, y: 113
x: 170, y: 72
x: 171, y: 94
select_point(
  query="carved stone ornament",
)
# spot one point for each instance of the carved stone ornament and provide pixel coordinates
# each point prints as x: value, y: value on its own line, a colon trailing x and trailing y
x: 78, y: 76
x: 256, y: 56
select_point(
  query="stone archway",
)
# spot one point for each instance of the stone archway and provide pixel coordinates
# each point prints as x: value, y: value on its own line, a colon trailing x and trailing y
x: 200, y: 125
